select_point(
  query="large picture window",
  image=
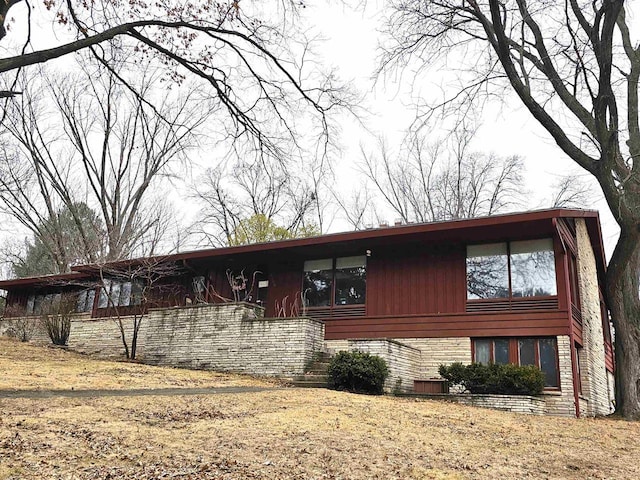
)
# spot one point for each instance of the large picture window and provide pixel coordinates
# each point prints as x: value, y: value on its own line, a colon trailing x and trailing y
x: 340, y: 281
x: 540, y: 352
x: 514, y: 269
x: 120, y: 294
x: 85, y: 300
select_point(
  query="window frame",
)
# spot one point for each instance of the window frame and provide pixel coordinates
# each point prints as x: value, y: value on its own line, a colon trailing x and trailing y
x: 510, y: 297
x: 332, y: 303
x: 514, y: 353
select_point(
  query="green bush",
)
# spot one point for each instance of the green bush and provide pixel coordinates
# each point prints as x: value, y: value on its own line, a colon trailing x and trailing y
x: 495, y: 378
x: 357, y: 372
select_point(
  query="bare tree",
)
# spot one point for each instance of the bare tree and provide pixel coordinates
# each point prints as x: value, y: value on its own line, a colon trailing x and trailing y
x: 571, y: 191
x: 251, y: 58
x: 56, y: 321
x: 99, y: 143
x: 430, y: 182
x: 358, y: 208
x: 128, y: 290
x: 57, y: 243
x: 279, y: 193
x: 575, y: 66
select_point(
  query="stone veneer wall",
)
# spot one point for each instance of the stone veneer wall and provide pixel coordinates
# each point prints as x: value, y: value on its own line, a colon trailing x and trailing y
x: 229, y: 338
x: 595, y: 385
x: 402, y: 360
x: 562, y: 403
x: 426, y: 355
x: 438, y: 351
x: 100, y: 337
x: 226, y: 337
x: 509, y: 403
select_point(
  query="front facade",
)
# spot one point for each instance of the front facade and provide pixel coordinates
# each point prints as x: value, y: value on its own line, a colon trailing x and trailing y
x: 521, y: 288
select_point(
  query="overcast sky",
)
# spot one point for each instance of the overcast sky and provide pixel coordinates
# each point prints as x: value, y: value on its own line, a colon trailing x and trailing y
x: 350, y: 45
x: 352, y: 38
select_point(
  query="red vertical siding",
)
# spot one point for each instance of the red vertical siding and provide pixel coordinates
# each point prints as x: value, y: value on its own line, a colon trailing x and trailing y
x: 285, y: 281
x: 218, y: 286
x: 421, y: 282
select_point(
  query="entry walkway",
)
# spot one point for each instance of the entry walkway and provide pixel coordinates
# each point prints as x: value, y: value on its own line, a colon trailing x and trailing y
x: 134, y: 392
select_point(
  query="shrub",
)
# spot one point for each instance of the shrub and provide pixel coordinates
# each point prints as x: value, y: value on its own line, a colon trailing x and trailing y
x: 358, y: 372
x: 57, y: 320
x: 495, y: 378
x: 18, y: 324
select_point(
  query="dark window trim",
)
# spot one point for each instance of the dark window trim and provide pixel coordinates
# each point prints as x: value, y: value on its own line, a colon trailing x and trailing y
x: 514, y: 353
x: 510, y: 298
x: 333, y: 303
x: 578, y: 367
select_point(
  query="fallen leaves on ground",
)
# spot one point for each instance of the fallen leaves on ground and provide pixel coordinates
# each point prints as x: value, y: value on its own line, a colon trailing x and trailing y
x: 301, y: 434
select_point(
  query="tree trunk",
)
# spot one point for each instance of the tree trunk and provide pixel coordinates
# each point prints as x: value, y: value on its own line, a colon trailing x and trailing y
x: 624, y: 303
x: 123, y: 336
x: 137, y: 321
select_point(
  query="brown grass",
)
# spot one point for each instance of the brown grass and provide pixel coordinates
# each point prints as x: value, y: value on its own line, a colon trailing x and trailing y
x: 28, y: 367
x: 304, y: 434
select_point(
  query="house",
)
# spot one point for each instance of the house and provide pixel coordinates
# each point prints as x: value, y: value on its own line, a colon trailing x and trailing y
x: 525, y: 288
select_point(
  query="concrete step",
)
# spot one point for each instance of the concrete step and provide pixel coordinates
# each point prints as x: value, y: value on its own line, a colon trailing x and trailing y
x: 311, y: 377
x: 318, y: 369
x: 309, y: 384
x: 321, y: 357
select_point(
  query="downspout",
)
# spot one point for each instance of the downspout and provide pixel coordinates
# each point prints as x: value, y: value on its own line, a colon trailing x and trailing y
x: 574, y: 359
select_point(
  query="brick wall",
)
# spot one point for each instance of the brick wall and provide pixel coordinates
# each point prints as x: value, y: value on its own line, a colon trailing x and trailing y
x: 595, y: 385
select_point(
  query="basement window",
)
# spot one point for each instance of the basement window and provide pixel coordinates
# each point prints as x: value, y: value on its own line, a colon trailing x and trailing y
x: 539, y: 352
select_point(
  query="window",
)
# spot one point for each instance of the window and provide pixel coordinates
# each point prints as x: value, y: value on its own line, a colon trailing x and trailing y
x: 31, y: 304
x: 120, y: 294
x: 579, y: 352
x: 351, y: 285
x: 539, y: 352
x: 573, y: 280
x: 335, y: 282
x: 491, y: 351
x: 199, y: 284
x: 487, y: 271
x: 85, y: 301
x: 318, y: 282
x: 533, y: 271
x: 514, y: 269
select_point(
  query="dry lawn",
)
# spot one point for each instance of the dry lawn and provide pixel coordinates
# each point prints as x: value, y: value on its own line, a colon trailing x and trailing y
x: 281, y: 434
x: 29, y: 367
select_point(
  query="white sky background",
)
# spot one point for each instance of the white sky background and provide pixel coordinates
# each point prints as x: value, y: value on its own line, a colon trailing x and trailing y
x: 507, y: 129
x: 350, y: 45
